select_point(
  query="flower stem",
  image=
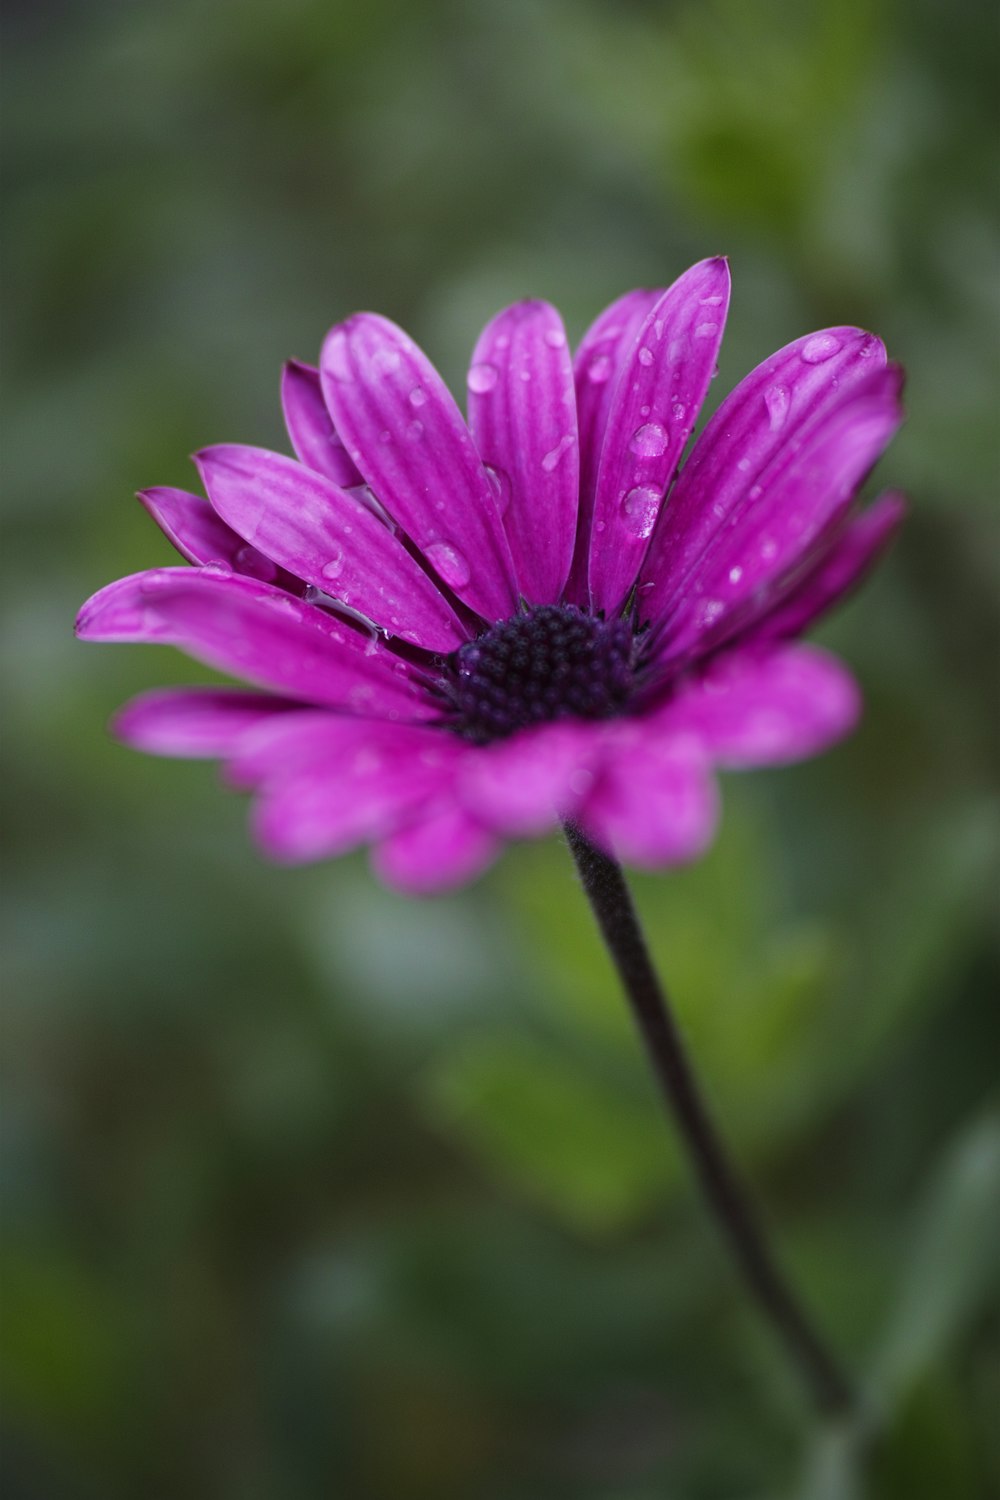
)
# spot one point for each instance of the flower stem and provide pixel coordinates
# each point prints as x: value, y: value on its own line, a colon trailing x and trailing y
x: 612, y: 904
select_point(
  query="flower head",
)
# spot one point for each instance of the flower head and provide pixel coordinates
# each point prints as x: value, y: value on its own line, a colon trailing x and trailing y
x: 470, y: 631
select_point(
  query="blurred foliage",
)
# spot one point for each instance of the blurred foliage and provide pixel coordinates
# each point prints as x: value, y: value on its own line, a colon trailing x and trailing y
x: 312, y: 1190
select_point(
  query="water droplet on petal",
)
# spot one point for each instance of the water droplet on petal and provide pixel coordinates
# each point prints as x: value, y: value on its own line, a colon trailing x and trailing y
x: 705, y: 330
x: 599, y: 369
x: 710, y: 301
x: 679, y: 411
x: 710, y: 612
x: 386, y: 360
x: 735, y: 574
x: 217, y: 567
x: 552, y: 458
x: 820, y: 347
x: 776, y: 399
x: 415, y: 430
x: 768, y: 549
x: 645, y: 356
x: 449, y: 562
x: 650, y: 440
x: 418, y: 396
x: 482, y: 378
x: 555, y: 338
x: 640, y: 509
x: 500, y: 484
x: 335, y: 566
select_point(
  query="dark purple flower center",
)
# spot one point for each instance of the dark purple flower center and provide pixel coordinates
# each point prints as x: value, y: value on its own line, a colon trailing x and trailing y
x: 552, y: 662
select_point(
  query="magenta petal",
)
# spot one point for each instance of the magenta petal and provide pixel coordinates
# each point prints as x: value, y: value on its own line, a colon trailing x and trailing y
x: 330, y: 538
x: 764, y: 705
x: 757, y: 557
x: 838, y: 571
x: 760, y: 424
x: 446, y: 848
x: 522, y: 414
x: 313, y: 435
x: 659, y: 393
x: 406, y: 435
x: 334, y: 786
x: 194, y: 723
x: 203, y: 537
x: 655, y: 802
x: 256, y: 633
x: 597, y: 365
x: 525, y: 784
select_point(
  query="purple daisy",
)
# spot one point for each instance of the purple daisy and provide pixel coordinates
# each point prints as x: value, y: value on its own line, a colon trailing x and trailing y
x: 473, y: 631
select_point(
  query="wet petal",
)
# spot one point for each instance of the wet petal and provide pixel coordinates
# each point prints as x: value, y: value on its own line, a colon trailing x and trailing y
x: 660, y: 390
x: 335, y: 786
x: 761, y: 552
x: 759, y: 425
x: 445, y: 849
x: 522, y: 414
x: 256, y: 633
x: 194, y: 723
x: 330, y: 538
x: 655, y: 802
x: 765, y: 705
x: 839, y: 571
x: 528, y: 783
x: 203, y: 537
x: 313, y: 435
x: 407, y: 437
x: 597, y: 366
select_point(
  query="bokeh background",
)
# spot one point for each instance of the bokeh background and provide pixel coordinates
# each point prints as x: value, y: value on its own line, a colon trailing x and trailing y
x: 311, y: 1190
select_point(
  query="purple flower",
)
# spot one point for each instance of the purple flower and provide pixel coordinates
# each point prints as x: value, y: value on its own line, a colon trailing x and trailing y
x: 467, y: 632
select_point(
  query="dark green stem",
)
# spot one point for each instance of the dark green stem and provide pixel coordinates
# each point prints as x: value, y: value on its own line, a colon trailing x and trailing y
x: 609, y: 896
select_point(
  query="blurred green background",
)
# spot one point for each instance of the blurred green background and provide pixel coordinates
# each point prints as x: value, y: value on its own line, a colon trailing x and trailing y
x: 311, y: 1190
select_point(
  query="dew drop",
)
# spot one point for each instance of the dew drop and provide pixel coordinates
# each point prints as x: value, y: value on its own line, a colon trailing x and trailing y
x: 335, y: 566
x: 555, y: 338
x: 217, y: 567
x: 645, y: 356
x: 552, y: 458
x: 500, y: 485
x: 679, y: 411
x: 820, y: 347
x: 710, y: 611
x: 414, y: 430
x: 482, y: 378
x: 735, y: 574
x: 710, y: 301
x: 776, y: 399
x: 705, y: 330
x: 640, y: 509
x: 650, y: 440
x: 599, y: 369
x: 768, y: 549
x: 386, y: 360
x: 418, y: 396
x: 449, y: 562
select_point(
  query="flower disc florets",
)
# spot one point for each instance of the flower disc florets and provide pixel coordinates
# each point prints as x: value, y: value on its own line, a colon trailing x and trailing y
x: 552, y: 662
